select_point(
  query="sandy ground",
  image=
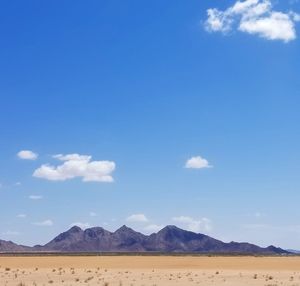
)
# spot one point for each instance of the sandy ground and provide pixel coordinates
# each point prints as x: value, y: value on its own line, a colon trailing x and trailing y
x: 150, y: 271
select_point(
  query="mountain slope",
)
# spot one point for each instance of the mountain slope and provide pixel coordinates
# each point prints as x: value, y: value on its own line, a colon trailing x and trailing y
x: 174, y: 239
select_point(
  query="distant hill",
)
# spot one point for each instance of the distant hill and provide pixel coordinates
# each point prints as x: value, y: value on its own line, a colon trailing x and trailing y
x: 293, y: 251
x: 169, y: 239
x: 8, y: 246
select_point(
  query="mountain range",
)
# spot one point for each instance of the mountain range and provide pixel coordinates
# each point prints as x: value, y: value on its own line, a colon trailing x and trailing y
x: 169, y: 239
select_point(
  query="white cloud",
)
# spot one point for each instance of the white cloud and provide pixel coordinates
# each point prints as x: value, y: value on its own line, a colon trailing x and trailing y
x: 195, y: 225
x: 153, y: 228
x: 47, y: 222
x: 21, y: 215
x: 254, y: 17
x: 82, y: 225
x: 197, y: 163
x: 75, y: 165
x: 217, y: 21
x: 92, y: 214
x: 10, y: 232
x: 35, y: 197
x: 137, y: 218
x: 27, y: 155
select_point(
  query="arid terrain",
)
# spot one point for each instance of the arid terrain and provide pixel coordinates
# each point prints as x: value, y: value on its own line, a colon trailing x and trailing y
x: 149, y: 270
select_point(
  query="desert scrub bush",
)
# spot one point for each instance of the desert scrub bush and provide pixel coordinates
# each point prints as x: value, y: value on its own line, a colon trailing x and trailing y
x: 88, y: 279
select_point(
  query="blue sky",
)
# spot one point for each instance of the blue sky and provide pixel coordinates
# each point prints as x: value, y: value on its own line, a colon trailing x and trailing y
x: 142, y: 87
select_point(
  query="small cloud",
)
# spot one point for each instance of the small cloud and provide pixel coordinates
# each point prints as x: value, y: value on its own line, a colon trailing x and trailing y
x: 92, y: 214
x: 35, y: 197
x: 195, y: 225
x: 21, y: 215
x: 18, y: 184
x: 27, y: 155
x: 255, y: 226
x: 255, y: 17
x: 82, y: 225
x: 10, y: 233
x: 47, y: 222
x: 153, y: 228
x: 197, y: 163
x: 258, y: 214
x: 280, y: 228
x: 75, y: 165
x: 137, y: 218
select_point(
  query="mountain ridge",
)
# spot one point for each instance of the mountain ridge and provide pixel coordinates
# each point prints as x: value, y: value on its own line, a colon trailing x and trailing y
x: 169, y: 239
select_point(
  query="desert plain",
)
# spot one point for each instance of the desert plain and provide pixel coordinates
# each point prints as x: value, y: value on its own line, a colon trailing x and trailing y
x: 149, y: 270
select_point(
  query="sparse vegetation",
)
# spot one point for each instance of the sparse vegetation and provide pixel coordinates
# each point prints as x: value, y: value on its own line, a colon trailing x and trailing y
x: 107, y: 276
